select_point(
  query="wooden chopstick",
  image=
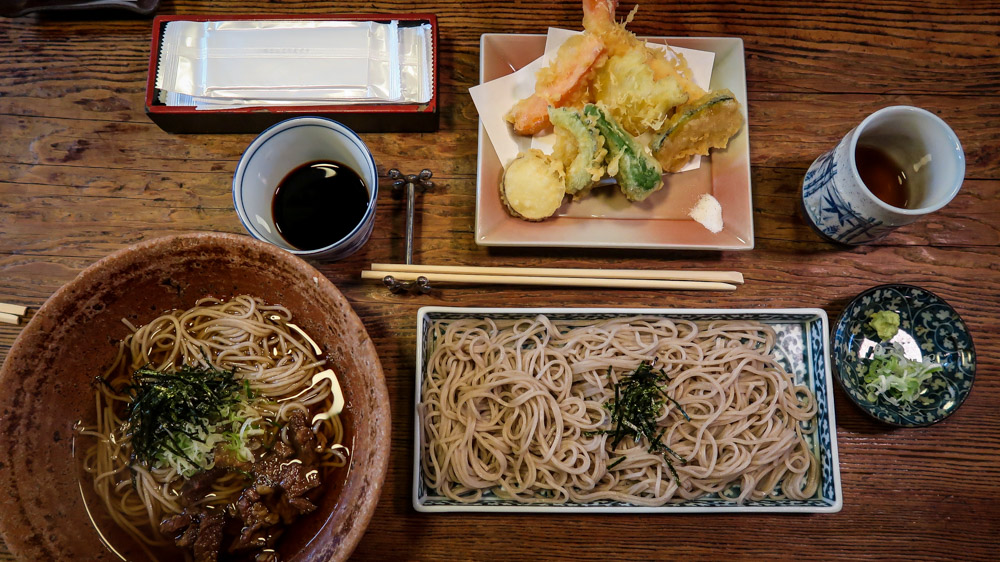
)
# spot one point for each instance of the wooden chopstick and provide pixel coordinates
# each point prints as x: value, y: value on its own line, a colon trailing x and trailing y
x: 12, y: 313
x: 554, y: 281
x: 673, y: 275
x: 15, y: 309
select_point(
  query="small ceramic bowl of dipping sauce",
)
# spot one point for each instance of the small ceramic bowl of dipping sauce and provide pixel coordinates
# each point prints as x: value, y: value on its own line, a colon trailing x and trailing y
x: 308, y: 185
x: 929, y: 332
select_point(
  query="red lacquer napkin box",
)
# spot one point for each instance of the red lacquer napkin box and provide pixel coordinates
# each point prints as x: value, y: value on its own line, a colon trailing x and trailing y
x: 365, y: 118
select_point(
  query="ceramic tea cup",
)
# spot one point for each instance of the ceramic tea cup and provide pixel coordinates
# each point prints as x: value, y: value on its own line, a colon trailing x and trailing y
x: 286, y: 147
x: 929, y: 161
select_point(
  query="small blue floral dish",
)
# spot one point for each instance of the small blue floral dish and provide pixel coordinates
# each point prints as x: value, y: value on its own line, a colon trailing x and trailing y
x: 929, y: 331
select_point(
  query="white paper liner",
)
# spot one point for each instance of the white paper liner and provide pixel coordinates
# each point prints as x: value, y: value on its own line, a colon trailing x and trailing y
x: 495, y: 98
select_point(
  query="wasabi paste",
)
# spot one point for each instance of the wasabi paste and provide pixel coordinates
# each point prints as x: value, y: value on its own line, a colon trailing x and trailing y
x: 885, y: 323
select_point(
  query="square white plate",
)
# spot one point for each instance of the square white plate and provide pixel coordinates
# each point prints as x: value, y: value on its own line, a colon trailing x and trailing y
x: 802, y: 348
x: 605, y: 219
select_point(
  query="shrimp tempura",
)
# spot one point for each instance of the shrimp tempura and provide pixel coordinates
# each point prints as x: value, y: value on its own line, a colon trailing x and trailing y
x: 563, y: 82
x: 599, y: 20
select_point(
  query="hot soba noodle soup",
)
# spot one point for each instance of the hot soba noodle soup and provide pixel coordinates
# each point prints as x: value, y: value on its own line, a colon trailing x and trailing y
x: 213, y: 430
x: 643, y: 410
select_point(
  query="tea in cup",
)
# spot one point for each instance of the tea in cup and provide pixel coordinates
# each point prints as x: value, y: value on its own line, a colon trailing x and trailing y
x: 899, y: 164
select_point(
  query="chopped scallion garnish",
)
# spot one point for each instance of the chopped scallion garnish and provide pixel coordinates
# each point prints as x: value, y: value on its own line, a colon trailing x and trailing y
x: 175, y: 418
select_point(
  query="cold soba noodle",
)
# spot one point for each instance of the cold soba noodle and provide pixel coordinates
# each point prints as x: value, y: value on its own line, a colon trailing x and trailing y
x: 257, y: 453
x: 526, y: 410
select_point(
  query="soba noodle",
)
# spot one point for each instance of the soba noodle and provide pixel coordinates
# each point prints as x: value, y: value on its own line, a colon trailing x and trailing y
x: 245, y: 334
x: 516, y: 408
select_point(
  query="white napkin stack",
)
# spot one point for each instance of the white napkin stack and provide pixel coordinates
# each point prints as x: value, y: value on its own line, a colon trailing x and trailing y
x: 230, y: 64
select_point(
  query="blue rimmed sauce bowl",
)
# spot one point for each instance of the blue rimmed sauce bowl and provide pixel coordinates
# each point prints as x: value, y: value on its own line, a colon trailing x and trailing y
x: 285, y: 147
x: 930, y: 330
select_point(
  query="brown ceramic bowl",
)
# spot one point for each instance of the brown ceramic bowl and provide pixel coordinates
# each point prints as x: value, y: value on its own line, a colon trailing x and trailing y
x: 45, y: 388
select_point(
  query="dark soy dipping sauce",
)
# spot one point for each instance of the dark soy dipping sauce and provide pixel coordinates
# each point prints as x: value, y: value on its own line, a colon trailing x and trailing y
x: 319, y: 203
x: 883, y: 176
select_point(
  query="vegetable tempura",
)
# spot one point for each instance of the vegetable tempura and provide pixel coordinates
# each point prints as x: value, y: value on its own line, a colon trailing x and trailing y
x: 607, y: 93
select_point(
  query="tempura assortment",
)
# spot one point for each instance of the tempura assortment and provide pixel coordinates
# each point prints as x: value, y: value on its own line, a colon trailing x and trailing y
x: 605, y: 93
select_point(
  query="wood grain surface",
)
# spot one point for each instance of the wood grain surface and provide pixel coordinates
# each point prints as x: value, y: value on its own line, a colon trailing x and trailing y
x: 84, y: 172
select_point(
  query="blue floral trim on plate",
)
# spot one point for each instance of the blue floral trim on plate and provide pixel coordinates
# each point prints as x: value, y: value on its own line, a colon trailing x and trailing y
x: 799, y: 348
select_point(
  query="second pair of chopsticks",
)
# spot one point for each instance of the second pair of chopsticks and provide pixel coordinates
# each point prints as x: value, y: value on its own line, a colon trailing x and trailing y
x: 607, y: 278
x: 12, y: 313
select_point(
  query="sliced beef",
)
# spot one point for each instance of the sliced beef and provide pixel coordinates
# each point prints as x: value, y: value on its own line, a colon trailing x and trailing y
x: 170, y: 525
x: 283, y: 478
x: 292, y: 476
x: 302, y: 437
x: 206, y: 546
x: 198, y: 530
x: 276, y: 496
x: 280, y: 450
x: 187, y: 538
x: 199, y: 485
x: 255, y: 516
x: 227, y: 459
x: 285, y: 483
x: 297, y: 479
x: 302, y: 505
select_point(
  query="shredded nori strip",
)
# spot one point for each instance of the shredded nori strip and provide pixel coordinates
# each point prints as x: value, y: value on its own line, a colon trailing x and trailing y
x: 164, y: 404
x: 639, y: 400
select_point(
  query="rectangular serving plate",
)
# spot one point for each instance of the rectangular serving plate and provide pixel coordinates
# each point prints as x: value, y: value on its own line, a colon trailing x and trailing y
x: 658, y: 223
x: 801, y: 347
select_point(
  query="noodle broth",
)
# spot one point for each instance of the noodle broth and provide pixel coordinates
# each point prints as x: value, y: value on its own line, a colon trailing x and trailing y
x: 125, y: 547
x: 279, y: 372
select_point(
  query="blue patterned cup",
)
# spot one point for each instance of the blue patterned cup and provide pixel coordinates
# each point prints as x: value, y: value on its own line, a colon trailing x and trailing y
x: 843, y: 209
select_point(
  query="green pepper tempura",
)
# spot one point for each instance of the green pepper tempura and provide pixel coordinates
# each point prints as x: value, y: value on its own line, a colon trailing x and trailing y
x: 637, y: 172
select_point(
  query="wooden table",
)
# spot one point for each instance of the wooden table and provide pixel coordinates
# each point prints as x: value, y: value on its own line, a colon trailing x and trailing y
x: 84, y: 172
